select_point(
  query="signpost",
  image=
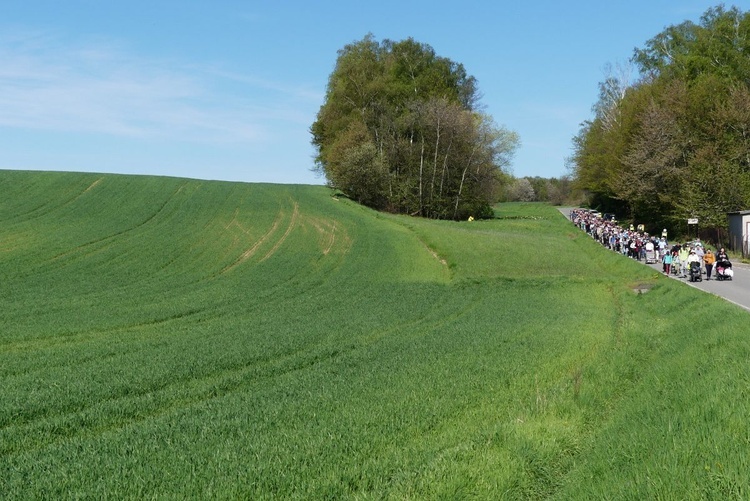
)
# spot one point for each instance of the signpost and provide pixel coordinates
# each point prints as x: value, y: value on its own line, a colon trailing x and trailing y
x: 692, y: 221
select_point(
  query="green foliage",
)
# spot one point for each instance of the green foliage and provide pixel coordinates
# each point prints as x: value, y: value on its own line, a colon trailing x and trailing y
x: 679, y: 143
x: 171, y: 338
x: 399, y: 131
x: 556, y: 191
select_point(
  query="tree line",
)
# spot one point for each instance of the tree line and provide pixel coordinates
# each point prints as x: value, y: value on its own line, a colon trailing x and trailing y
x: 401, y: 130
x: 675, y: 143
x: 556, y: 191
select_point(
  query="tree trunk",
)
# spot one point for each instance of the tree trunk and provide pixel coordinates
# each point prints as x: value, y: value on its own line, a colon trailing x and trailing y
x: 458, y: 195
x: 444, y: 173
x: 463, y: 178
x: 421, y: 170
x: 435, y: 158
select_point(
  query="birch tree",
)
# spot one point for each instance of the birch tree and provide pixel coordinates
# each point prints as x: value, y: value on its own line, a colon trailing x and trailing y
x: 399, y: 131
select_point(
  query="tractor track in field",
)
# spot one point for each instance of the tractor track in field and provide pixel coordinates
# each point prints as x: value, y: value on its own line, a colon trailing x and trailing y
x: 290, y: 227
x: 82, y: 249
x: 266, y: 237
x: 249, y: 252
x: 48, y: 208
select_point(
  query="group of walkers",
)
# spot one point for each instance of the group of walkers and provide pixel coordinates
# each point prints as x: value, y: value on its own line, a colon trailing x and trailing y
x: 685, y: 261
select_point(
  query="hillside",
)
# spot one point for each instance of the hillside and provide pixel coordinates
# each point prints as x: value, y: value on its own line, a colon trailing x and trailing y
x: 165, y: 337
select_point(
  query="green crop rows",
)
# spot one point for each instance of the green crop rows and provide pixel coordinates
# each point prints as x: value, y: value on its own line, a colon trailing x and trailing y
x: 174, y: 338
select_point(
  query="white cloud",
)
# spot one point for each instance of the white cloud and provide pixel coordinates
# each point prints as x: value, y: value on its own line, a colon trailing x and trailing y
x: 97, y: 87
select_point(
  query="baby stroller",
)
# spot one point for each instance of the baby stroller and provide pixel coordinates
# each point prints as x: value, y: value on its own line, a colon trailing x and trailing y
x: 695, y: 272
x: 723, y: 270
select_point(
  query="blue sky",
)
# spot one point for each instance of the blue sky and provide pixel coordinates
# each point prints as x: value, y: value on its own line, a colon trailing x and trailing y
x: 228, y: 89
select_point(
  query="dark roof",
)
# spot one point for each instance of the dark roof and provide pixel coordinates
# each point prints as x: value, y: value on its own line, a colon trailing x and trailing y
x: 739, y: 213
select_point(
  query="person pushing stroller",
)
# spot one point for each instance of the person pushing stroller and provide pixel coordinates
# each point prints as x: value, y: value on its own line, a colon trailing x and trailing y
x: 723, y: 266
x: 694, y: 264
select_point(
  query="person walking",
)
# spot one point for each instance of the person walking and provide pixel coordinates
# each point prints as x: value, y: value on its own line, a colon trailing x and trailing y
x: 684, y: 252
x: 708, y: 261
x: 676, y: 260
x: 693, y: 258
x: 667, y: 262
x: 649, y: 246
x: 700, y: 252
x: 662, y: 245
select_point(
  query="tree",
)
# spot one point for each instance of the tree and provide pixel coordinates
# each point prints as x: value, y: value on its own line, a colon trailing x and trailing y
x: 399, y: 131
x: 611, y: 94
x: 676, y: 143
x: 559, y: 191
x: 521, y: 191
x: 356, y: 168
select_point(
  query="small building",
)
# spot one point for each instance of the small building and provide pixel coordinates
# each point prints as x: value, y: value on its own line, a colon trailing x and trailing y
x: 739, y: 231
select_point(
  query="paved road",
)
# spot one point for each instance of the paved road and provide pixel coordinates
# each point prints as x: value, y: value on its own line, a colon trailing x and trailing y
x: 736, y: 291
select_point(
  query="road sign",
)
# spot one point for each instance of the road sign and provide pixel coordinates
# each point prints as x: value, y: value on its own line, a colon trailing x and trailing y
x: 693, y: 220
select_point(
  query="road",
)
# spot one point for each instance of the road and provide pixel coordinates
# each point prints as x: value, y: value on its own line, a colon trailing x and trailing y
x: 736, y: 291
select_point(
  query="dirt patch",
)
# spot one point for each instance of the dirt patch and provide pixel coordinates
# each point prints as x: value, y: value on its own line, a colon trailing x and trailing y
x: 642, y: 287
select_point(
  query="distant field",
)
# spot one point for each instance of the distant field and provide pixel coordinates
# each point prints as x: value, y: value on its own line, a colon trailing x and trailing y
x: 164, y: 337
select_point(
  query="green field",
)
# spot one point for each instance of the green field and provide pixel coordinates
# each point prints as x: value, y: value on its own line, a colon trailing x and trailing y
x: 172, y: 338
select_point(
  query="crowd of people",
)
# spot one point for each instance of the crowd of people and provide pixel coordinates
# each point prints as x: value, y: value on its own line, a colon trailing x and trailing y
x: 636, y: 243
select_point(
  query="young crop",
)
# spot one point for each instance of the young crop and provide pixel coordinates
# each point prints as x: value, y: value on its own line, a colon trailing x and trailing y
x: 174, y: 338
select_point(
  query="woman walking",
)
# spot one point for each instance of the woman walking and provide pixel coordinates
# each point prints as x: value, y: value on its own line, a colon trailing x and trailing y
x: 667, y: 262
x: 709, y: 260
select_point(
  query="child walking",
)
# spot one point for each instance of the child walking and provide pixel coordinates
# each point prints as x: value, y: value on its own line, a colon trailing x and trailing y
x: 667, y: 262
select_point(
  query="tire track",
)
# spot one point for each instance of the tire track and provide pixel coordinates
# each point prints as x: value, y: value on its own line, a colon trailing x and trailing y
x: 51, y: 206
x: 292, y: 224
x: 83, y: 249
x: 254, y: 248
x: 330, y: 234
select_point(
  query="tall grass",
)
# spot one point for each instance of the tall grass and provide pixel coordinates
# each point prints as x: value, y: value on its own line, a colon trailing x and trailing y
x: 172, y: 338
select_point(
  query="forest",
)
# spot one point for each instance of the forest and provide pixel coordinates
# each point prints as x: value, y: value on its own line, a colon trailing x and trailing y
x: 401, y: 131
x: 674, y: 143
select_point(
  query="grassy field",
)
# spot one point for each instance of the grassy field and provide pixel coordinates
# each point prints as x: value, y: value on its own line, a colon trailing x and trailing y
x: 172, y: 338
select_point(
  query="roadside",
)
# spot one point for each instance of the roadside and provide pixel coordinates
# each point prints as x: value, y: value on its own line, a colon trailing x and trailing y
x: 735, y: 291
